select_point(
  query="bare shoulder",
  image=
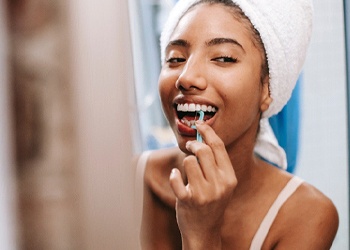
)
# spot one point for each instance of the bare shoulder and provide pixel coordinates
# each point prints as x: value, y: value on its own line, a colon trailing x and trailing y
x: 157, y: 172
x: 308, y: 220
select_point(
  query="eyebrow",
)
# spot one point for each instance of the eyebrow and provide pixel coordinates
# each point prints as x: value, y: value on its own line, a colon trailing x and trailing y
x: 218, y: 41
x: 178, y: 42
x: 212, y: 42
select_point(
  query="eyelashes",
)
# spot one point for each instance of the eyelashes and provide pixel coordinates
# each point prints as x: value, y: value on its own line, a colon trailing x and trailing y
x: 225, y: 59
x: 175, y: 60
x: 220, y: 59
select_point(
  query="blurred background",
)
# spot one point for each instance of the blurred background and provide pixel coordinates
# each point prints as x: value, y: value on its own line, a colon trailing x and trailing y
x: 66, y: 180
x: 79, y: 99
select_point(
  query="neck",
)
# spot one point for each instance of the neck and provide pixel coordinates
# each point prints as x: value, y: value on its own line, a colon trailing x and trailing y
x: 248, y: 167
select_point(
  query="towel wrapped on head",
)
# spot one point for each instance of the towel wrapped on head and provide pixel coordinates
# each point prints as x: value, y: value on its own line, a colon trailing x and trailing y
x: 285, y: 28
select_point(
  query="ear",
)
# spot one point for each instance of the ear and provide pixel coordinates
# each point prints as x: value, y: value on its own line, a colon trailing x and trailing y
x: 265, y: 96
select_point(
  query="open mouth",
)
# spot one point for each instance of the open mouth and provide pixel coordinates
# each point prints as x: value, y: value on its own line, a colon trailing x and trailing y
x: 188, y: 112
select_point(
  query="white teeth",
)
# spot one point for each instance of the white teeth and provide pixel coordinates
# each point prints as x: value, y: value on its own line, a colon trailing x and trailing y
x: 188, y: 123
x: 185, y: 107
x: 191, y: 107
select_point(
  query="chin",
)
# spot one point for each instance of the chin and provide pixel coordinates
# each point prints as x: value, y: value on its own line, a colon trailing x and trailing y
x: 184, y: 149
x: 181, y: 144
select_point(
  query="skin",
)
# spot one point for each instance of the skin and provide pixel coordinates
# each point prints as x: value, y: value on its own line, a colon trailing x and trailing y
x: 213, y: 195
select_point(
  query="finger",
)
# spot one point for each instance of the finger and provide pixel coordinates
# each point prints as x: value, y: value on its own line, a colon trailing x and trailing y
x: 194, y: 173
x: 177, y: 185
x: 216, y: 145
x: 205, y: 158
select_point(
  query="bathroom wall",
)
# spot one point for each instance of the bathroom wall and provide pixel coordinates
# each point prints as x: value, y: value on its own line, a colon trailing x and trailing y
x: 323, y: 155
x: 102, y: 80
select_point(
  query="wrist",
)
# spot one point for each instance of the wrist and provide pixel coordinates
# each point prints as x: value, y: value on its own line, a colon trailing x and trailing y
x: 199, y: 242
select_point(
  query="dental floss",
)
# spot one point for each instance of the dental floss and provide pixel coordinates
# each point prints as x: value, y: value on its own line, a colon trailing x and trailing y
x: 201, y: 117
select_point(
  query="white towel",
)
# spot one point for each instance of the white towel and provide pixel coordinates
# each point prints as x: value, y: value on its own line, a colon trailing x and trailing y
x: 267, y: 145
x: 285, y: 28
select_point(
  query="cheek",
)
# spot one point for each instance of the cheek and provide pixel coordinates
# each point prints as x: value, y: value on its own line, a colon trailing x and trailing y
x: 250, y: 98
x: 242, y: 96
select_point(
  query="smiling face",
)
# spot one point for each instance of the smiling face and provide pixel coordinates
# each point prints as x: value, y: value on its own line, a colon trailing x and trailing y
x: 212, y: 64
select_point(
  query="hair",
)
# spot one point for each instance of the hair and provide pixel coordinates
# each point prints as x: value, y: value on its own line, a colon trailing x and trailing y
x: 239, y: 15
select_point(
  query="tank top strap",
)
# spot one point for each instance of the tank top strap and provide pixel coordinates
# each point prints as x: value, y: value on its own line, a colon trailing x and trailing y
x: 269, y: 218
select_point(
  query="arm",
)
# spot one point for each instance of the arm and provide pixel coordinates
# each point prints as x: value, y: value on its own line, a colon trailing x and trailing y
x: 159, y: 228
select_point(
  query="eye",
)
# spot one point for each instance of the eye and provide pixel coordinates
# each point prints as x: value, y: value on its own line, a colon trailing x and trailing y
x: 225, y: 59
x: 174, y: 60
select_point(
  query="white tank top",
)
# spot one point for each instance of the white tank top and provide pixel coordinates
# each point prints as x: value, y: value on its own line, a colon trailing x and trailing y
x: 266, y: 223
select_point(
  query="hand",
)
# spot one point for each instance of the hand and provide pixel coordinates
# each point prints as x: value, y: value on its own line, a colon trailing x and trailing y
x: 201, y: 204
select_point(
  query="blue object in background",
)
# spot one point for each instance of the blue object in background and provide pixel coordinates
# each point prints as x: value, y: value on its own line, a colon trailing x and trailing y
x: 286, y: 127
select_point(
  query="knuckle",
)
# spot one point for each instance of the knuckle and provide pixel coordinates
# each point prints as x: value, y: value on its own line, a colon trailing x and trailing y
x: 229, y: 179
x: 203, y: 150
x: 217, y: 144
x: 232, y: 183
x: 182, y: 196
x: 221, y: 192
x: 227, y: 185
x: 201, y: 201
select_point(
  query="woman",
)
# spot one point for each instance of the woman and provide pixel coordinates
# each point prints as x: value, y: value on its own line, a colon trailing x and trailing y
x: 238, y: 61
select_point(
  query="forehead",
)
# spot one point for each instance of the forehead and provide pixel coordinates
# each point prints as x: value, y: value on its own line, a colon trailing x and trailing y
x: 212, y: 20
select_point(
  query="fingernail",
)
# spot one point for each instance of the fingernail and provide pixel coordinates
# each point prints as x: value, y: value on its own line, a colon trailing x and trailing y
x: 188, y: 144
x: 173, y: 172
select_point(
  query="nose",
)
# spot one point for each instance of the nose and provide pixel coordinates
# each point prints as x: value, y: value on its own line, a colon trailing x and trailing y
x: 192, y: 77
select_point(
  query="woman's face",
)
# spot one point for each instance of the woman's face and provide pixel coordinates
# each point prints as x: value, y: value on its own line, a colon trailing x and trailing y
x: 213, y: 64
